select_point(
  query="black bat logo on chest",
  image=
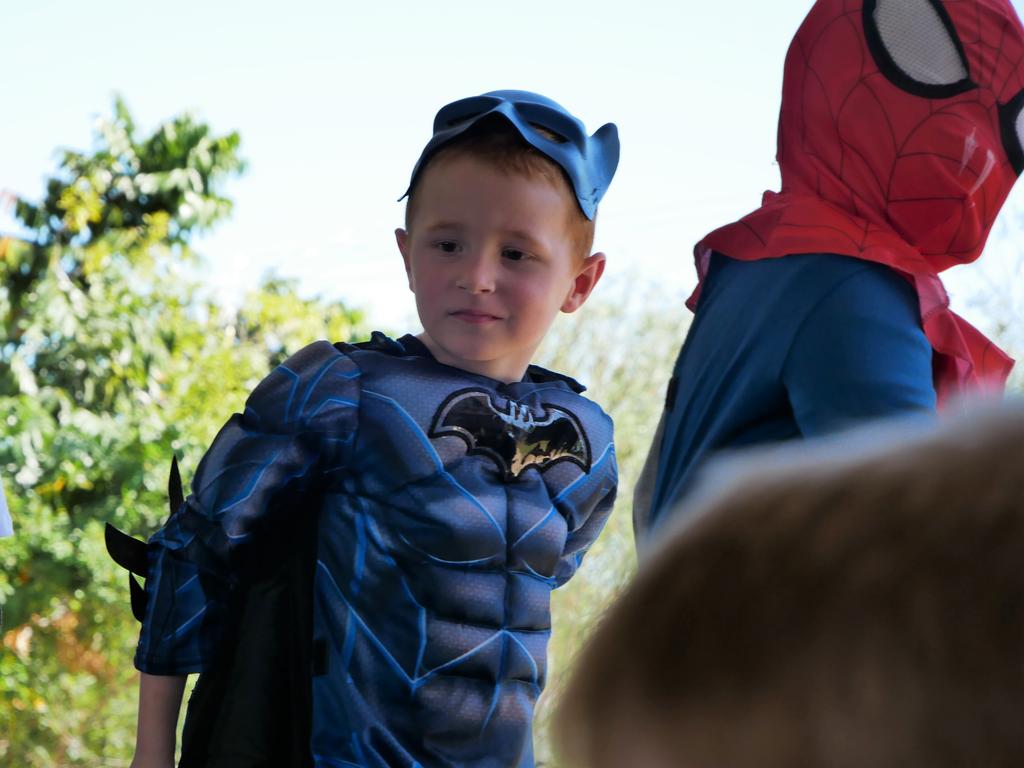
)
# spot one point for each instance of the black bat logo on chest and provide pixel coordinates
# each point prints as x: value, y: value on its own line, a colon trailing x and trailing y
x: 513, y: 437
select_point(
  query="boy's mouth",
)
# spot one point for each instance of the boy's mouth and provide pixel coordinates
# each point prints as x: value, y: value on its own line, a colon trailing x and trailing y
x: 474, y: 316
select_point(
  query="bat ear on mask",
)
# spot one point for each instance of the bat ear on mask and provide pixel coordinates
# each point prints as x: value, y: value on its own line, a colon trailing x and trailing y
x: 606, y: 139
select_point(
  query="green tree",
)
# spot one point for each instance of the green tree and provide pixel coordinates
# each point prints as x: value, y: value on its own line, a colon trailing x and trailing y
x: 110, y: 362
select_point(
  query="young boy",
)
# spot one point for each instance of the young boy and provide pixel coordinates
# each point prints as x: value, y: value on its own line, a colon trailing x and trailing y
x: 899, y: 139
x: 851, y: 603
x: 440, y: 484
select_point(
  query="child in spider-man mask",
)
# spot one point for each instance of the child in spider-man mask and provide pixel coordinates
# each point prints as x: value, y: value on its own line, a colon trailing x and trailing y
x: 899, y: 139
x: 363, y: 571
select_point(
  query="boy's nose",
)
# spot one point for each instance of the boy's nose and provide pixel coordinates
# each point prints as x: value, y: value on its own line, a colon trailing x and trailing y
x: 477, y: 276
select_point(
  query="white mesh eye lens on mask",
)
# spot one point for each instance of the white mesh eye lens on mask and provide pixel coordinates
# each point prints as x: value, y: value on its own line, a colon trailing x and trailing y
x: 1020, y: 128
x: 916, y: 46
x: 1011, y: 115
x: 919, y: 42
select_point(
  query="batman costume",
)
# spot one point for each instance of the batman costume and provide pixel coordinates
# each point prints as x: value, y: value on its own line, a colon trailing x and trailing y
x: 362, y: 572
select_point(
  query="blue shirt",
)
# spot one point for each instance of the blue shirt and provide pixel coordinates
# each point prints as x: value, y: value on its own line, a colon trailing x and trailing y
x: 791, y: 347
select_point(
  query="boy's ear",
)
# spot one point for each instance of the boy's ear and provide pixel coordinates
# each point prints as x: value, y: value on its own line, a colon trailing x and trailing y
x: 585, y: 281
x: 402, y: 238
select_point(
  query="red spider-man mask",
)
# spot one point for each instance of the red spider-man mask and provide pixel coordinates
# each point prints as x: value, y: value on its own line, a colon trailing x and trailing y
x: 900, y: 137
x: 906, y: 113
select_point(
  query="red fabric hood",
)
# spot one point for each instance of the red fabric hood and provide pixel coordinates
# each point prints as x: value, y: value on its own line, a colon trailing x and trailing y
x: 899, y: 140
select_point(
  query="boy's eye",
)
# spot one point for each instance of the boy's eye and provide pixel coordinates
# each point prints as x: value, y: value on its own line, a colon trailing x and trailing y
x: 446, y: 246
x: 514, y: 254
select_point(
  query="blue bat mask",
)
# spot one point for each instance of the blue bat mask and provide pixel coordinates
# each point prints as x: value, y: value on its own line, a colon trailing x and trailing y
x: 588, y: 161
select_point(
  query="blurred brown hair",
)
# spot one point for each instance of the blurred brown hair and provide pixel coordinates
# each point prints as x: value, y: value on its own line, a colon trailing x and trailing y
x: 838, y: 604
x: 498, y: 144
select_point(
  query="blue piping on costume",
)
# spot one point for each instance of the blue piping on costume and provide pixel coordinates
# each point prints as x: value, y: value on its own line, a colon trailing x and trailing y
x: 438, y: 464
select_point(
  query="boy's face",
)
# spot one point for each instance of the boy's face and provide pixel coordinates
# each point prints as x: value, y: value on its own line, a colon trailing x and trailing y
x: 492, y: 259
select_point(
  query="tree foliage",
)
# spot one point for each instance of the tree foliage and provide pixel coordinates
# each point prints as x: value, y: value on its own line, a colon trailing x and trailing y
x: 110, y: 362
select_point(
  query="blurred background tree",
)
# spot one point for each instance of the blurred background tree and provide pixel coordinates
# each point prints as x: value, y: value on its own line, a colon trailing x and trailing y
x: 111, y: 360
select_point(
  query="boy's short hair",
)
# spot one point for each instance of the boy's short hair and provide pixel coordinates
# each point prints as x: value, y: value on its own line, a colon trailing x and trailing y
x: 497, y: 143
x: 838, y: 604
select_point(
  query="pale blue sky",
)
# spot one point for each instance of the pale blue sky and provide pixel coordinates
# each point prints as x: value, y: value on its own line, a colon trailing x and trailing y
x: 334, y: 101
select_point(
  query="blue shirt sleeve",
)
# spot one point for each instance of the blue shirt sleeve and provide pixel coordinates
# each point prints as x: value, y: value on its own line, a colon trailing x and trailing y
x: 860, y: 354
x: 296, y: 431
